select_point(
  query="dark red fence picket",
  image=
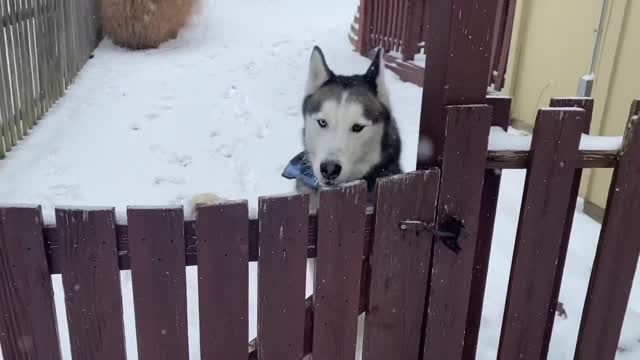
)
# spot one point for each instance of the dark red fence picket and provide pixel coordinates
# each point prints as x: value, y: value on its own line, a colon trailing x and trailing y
x: 91, y: 281
x: 223, y: 254
x: 546, y: 199
x: 616, y: 256
x: 159, y: 282
x: 400, y: 261
x: 28, y: 322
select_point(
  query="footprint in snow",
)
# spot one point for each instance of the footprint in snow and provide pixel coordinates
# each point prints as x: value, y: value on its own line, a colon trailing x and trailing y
x: 152, y: 116
x: 180, y: 160
x: 169, y: 180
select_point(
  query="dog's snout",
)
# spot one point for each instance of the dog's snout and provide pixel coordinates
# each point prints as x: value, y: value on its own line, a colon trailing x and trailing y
x: 330, y: 170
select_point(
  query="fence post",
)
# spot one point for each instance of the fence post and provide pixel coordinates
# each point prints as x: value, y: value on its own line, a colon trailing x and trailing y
x: 459, y: 30
x: 364, y: 26
x: 587, y: 105
x: 488, y: 206
x: 460, y: 194
x: 549, y: 181
x: 412, y: 28
x: 617, y: 255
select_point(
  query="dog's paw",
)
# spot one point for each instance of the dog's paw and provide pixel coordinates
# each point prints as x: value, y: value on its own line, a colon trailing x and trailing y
x: 203, y: 200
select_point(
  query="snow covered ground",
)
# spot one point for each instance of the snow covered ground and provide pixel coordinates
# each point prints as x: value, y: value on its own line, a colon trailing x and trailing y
x: 218, y: 110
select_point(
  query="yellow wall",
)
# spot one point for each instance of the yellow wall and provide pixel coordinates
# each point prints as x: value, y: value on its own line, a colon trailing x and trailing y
x: 552, y: 48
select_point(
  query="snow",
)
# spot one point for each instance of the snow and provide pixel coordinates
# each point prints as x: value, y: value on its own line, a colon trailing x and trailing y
x: 218, y: 110
x: 500, y: 140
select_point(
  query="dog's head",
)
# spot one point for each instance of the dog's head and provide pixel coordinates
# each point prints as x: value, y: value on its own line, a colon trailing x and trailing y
x: 346, y: 120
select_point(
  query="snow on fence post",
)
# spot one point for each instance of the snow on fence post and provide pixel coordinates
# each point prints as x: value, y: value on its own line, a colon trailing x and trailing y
x: 91, y: 281
x: 616, y: 256
x: 400, y: 263
x: 463, y: 167
x: 543, y: 215
x: 336, y: 299
x: 488, y: 206
x: 27, y: 313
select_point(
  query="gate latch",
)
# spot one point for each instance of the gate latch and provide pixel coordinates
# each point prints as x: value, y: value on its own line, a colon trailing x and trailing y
x: 449, y: 230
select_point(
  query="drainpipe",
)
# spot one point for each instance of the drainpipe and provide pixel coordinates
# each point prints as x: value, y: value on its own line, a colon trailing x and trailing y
x: 585, y: 85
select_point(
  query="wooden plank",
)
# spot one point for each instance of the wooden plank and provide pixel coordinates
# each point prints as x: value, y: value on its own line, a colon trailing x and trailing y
x: 16, y: 129
x: 505, y: 46
x: 400, y: 262
x: 28, y: 322
x: 460, y: 196
x: 341, y: 221
x: 18, y: 44
x: 159, y: 285
x: 25, y: 65
x: 5, y: 132
x: 616, y: 256
x: 365, y: 21
x: 488, y: 206
x: 459, y: 30
x: 584, y: 159
x: 411, y: 35
x: 281, y: 276
x: 223, y: 251
x: 542, y: 221
x: 587, y: 105
x: 40, y: 59
x: 91, y: 281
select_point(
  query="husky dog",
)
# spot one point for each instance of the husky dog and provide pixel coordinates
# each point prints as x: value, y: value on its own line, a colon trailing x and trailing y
x: 349, y: 131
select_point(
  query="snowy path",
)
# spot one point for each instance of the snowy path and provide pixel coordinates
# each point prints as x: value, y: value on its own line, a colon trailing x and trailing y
x: 218, y: 110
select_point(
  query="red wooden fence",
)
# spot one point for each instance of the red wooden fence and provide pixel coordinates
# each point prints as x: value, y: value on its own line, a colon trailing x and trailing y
x: 421, y: 299
x: 402, y: 28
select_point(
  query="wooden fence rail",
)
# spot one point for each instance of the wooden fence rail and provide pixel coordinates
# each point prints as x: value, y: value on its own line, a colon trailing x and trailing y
x: 43, y: 45
x: 421, y: 297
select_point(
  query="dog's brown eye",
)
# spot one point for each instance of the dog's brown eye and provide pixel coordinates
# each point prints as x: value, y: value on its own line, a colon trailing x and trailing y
x: 322, y: 123
x: 357, y: 128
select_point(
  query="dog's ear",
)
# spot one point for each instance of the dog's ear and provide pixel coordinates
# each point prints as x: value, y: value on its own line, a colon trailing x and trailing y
x: 375, y: 77
x: 319, y: 72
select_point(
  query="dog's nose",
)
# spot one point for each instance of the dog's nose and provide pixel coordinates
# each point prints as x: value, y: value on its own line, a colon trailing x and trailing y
x: 330, y: 170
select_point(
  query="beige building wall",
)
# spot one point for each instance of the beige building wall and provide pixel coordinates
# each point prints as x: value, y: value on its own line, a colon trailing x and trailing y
x: 552, y: 48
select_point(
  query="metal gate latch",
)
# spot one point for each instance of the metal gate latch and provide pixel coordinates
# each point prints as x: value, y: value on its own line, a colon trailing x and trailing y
x: 449, y: 231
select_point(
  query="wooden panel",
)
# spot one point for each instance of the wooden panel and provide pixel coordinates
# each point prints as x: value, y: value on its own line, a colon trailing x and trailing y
x: 488, y: 206
x: 281, y: 276
x: 223, y: 276
x: 91, y: 282
x: 28, y: 322
x: 587, y: 105
x: 460, y: 196
x: 400, y: 261
x: 459, y: 30
x: 616, y: 257
x: 540, y: 229
x: 158, y: 279
x: 341, y: 221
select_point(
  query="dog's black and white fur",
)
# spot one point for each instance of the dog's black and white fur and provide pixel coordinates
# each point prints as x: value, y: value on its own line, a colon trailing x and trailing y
x: 349, y: 130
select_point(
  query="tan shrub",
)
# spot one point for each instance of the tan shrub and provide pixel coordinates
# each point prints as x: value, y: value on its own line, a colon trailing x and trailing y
x: 143, y: 24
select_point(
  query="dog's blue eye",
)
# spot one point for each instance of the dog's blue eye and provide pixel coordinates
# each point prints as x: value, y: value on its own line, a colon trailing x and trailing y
x: 357, y: 128
x: 322, y: 123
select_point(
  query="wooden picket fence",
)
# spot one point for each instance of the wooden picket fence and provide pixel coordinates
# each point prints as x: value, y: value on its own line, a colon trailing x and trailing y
x: 422, y: 299
x: 43, y: 45
x: 402, y: 27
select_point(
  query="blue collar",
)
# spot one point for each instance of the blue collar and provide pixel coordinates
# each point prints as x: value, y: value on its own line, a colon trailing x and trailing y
x: 299, y: 168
